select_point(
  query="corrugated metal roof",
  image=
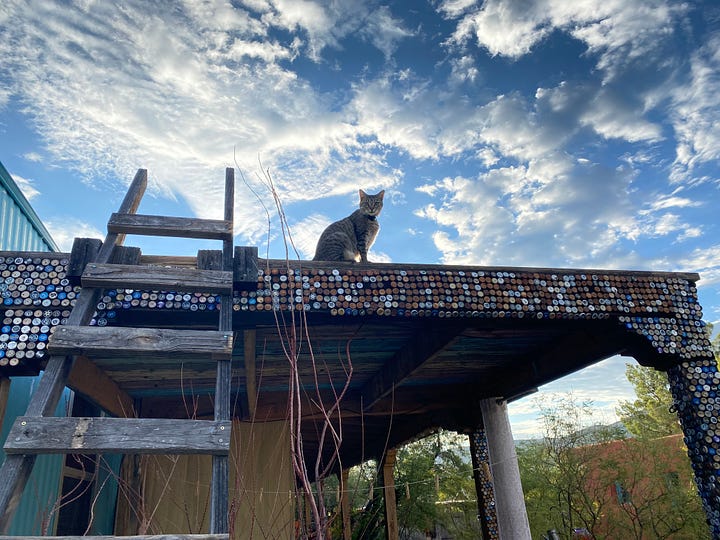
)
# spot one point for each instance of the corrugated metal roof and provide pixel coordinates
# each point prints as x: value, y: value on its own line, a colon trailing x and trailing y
x: 20, y: 226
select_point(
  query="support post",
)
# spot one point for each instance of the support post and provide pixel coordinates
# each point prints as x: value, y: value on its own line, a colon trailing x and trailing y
x: 391, y: 529
x: 345, y: 504
x: 510, y: 503
x: 688, y: 383
x: 250, y: 376
x: 4, y: 393
x: 484, y: 487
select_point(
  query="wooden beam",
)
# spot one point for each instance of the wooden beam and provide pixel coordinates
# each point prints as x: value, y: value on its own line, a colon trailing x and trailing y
x: 4, y: 394
x: 179, y: 227
x: 83, y: 251
x: 156, y: 277
x: 245, y: 265
x: 209, y: 259
x: 118, y: 342
x: 391, y: 531
x: 250, y: 376
x: 345, y: 503
x: 220, y: 480
x: 90, y: 381
x: 54, y: 435
x: 422, y: 347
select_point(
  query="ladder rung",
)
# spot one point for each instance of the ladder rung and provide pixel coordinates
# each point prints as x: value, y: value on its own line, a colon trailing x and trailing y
x: 118, y: 342
x: 163, y: 278
x: 56, y: 435
x: 133, y: 537
x: 179, y: 227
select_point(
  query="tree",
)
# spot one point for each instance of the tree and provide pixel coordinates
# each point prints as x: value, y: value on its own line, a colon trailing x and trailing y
x: 650, y: 415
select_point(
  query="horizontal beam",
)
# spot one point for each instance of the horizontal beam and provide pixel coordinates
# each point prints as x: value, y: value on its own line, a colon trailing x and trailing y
x: 422, y: 347
x: 53, y: 435
x: 156, y: 278
x: 178, y: 227
x: 118, y: 342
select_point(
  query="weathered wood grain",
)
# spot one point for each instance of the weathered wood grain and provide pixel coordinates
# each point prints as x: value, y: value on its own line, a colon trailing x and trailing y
x: 119, y: 341
x: 157, y: 278
x: 15, y: 470
x: 133, y: 537
x: 86, y: 378
x: 246, y: 265
x: 179, y: 227
x: 43, y: 435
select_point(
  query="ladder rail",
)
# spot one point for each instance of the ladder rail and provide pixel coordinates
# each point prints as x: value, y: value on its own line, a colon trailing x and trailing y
x: 220, y: 467
x: 16, y: 469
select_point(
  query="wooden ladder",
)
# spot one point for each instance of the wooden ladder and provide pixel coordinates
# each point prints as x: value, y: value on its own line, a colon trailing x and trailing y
x: 38, y: 432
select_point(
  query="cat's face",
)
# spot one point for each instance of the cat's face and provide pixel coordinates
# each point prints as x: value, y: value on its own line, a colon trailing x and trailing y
x: 371, y: 204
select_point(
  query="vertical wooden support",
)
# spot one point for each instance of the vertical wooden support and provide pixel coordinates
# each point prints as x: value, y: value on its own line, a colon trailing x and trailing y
x: 391, y: 521
x: 250, y: 377
x: 220, y: 469
x: 4, y: 394
x: 510, y: 502
x: 16, y: 469
x: 345, y: 504
x: 484, y: 487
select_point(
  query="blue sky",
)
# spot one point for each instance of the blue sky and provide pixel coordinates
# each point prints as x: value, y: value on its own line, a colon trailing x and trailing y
x: 580, y: 134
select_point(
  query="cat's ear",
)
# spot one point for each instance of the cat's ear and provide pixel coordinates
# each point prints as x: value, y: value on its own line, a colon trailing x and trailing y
x: 362, y: 194
x: 381, y: 194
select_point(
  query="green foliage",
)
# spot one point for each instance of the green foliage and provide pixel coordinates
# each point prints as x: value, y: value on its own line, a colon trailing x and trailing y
x: 572, y: 476
x: 433, y: 486
x: 650, y: 415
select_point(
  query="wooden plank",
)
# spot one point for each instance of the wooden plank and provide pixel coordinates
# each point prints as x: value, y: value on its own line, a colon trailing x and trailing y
x: 249, y: 339
x: 424, y: 345
x: 391, y: 521
x: 210, y: 259
x: 169, y: 260
x: 83, y: 251
x: 126, y: 255
x: 345, y: 503
x: 220, y: 466
x: 179, y: 227
x: 4, y: 394
x: 133, y: 537
x: 246, y: 265
x: 16, y: 470
x: 117, y: 342
x: 54, y: 435
x: 156, y: 278
x: 92, y: 382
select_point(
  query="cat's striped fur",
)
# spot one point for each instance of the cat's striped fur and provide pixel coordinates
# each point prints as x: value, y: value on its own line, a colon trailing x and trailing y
x: 350, y: 238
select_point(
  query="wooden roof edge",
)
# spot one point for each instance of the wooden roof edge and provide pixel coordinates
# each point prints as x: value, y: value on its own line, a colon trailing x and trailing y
x: 277, y: 263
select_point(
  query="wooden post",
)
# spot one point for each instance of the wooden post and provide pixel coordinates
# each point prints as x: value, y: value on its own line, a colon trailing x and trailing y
x: 345, y: 504
x: 510, y: 502
x: 4, y: 393
x: 391, y: 529
x: 250, y: 377
x: 220, y: 488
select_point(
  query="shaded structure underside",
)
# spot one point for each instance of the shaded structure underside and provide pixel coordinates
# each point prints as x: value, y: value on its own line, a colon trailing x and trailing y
x: 411, y: 347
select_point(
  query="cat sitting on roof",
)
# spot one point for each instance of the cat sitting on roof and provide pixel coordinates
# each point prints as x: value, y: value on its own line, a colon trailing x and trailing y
x: 350, y: 238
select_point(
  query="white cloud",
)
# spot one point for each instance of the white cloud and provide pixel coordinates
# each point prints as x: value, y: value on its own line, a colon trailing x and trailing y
x: 618, y: 32
x: 64, y: 231
x: 695, y: 114
x: 26, y: 186
x: 33, y: 156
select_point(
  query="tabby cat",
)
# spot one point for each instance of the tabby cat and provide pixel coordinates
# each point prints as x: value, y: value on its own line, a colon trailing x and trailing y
x: 350, y: 238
